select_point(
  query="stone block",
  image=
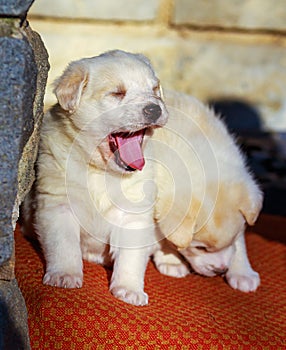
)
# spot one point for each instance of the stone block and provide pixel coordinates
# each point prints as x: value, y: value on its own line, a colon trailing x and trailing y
x: 136, y: 10
x: 244, y: 14
x: 14, y: 8
x: 242, y: 69
x: 24, y: 67
x: 18, y: 71
x: 26, y: 169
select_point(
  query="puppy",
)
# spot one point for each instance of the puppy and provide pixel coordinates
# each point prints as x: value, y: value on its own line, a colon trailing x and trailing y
x: 206, y: 195
x: 92, y: 200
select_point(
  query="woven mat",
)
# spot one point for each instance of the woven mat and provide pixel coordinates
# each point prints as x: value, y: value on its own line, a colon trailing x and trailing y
x: 189, y: 313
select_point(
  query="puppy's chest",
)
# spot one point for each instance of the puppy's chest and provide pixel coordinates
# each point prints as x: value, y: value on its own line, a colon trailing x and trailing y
x: 120, y: 194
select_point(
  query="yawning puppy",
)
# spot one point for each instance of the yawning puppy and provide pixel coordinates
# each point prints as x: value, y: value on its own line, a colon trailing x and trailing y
x: 91, y: 172
x: 206, y: 195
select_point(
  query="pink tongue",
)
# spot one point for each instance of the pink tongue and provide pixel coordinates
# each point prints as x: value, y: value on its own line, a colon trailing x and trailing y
x: 130, y: 149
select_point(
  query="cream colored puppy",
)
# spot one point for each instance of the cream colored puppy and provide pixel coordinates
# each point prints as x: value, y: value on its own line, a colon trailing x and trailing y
x: 206, y: 195
x: 92, y: 200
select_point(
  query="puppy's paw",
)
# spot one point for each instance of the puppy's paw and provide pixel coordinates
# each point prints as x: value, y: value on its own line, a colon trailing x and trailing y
x: 244, y: 282
x: 173, y: 270
x: 170, y: 263
x: 63, y: 280
x: 130, y: 296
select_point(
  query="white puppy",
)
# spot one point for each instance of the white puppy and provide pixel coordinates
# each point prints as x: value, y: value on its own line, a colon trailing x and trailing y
x: 95, y: 190
x: 92, y: 172
x: 205, y: 196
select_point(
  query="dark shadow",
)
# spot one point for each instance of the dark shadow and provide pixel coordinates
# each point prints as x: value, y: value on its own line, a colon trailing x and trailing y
x: 264, y: 156
x: 26, y: 223
x: 11, y: 337
x: 31, y: 237
x: 239, y: 116
x: 271, y: 227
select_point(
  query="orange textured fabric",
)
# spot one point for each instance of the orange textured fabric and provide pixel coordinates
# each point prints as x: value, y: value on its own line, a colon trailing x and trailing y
x: 189, y: 313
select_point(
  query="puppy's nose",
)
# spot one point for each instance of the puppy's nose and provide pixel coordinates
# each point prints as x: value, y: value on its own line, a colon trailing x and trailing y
x: 152, y: 112
x: 220, y: 271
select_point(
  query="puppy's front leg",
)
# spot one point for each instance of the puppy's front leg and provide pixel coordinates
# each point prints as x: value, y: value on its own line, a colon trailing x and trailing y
x: 240, y: 274
x: 59, y: 235
x: 127, y: 281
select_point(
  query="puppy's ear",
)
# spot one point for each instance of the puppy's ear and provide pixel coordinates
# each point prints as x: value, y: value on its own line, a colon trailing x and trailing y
x: 69, y: 87
x: 251, y: 203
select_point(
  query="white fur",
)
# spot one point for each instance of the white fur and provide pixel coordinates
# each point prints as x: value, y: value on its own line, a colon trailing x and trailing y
x: 205, y: 195
x: 87, y: 205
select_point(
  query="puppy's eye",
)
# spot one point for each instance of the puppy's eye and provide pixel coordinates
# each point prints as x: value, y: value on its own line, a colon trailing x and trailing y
x: 120, y: 94
x: 202, y: 248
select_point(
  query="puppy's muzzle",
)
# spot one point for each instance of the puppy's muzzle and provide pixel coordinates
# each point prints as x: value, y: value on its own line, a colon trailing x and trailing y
x: 152, y: 112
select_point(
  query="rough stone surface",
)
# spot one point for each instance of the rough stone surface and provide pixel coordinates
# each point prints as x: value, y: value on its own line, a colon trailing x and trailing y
x: 244, y: 14
x: 23, y: 74
x: 13, y: 318
x: 18, y: 71
x: 21, y: 113
x: 135, y: 10
x: 14, y: 8
x: 7, y: 269
x: 26, y: 169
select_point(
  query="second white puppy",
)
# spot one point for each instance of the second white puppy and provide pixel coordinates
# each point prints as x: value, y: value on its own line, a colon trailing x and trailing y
x: 206, y: 195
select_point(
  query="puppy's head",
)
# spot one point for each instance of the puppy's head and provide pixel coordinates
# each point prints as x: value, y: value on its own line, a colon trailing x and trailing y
x: 115, y: 101
x: 206, y: 237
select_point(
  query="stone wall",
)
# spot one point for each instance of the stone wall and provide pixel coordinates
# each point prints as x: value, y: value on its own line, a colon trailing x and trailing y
x: 23, y: 74
x: 215, y: 50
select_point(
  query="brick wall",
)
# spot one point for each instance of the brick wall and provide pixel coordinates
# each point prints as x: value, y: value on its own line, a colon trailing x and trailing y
x: 215, y: 50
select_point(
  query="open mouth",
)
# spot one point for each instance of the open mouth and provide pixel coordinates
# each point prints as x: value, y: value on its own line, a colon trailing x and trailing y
x: 127, y: 149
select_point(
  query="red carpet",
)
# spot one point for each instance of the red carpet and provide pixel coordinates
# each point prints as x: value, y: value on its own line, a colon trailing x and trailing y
x: 188, y: 313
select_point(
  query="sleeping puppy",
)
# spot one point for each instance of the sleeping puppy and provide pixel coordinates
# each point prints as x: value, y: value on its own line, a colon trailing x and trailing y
x: 206, y: 196
x: 92, y: 200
